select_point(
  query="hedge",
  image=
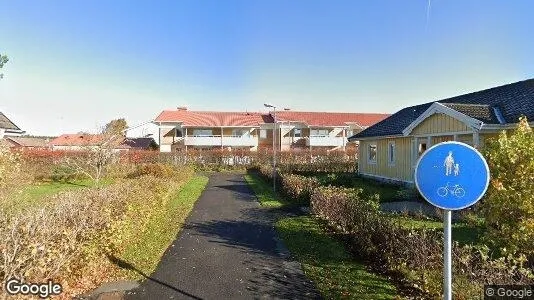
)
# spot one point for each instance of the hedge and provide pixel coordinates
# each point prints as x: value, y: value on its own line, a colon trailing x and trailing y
x: 416, y: 254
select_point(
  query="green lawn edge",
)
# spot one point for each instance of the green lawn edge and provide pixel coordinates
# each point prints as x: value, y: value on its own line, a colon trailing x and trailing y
x: 324, y: 260
x: 146, y: 251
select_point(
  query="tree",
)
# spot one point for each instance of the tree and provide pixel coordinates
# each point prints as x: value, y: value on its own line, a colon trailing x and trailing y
x: 509, y: 204
x: 3, y: 61
x: 116, y: 127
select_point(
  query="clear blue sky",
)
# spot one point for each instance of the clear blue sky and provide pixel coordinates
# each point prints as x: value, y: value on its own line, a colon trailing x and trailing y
x: 76, y: 64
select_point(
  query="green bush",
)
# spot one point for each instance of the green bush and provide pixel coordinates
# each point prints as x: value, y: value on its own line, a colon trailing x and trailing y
x: 509, y: 204
x: 298, y: 188
x: 415, y: 253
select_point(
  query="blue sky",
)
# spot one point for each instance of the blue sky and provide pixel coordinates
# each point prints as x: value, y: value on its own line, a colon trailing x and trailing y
x: 74, y: 65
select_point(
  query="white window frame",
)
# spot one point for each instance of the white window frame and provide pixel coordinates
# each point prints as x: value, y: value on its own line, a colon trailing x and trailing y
x: 392, y: 153
x: 263, y: 133
x: 176, y: 130
x: 369, y: 160
x: 299, y: 130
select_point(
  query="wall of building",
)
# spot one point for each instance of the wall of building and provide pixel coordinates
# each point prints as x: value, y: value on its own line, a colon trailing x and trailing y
x: 401, y: 169
x: 439, y: 123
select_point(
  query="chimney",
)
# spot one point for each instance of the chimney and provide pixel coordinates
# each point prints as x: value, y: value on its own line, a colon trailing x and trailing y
x: 181, y: 108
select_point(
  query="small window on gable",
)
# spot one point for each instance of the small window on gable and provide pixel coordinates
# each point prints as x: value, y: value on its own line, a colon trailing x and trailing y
x: 422, y: 148
x: 263, y: 133
x: 391, y: 153
x: 371, y: 153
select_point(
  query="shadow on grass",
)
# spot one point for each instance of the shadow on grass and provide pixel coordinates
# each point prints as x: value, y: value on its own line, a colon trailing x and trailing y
x: 127, y: 266
x: 327, y: 262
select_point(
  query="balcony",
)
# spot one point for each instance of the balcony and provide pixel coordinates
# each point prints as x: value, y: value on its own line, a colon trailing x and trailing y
x: 325, y: 141
x: 224, y: 141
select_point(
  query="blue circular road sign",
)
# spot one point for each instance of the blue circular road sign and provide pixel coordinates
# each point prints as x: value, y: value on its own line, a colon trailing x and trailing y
x: 452, y: 175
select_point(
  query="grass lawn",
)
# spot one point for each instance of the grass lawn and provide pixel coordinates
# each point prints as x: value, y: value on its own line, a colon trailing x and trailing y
x: 38, y: 191
x: 461, y: 232
x: 328, y: 264
x: 387, y: 192
x: 324, y: 260
x: 264, y: 191
x: 146, y: 251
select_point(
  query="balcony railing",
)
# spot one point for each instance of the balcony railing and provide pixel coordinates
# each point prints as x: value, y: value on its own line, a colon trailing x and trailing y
x: 224, y: 141
x: 329, y: 141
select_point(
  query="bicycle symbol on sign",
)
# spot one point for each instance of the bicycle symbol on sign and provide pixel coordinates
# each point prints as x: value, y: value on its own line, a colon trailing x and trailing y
x: 455, y: 190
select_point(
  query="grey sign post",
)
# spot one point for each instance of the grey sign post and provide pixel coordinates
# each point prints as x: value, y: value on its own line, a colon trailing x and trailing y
x: 451, y: 176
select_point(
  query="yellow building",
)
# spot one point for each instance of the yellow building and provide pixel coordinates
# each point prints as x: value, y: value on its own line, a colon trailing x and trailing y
x: 389, y: 149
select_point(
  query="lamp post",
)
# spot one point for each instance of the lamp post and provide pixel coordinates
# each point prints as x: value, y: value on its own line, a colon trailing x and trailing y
x: 274, y: 145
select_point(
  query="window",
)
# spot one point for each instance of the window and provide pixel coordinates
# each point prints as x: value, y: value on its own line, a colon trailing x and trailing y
x: 263, y: 133
x: 371, y: 153
x: 297, y: 132
x: 319, y: 132
x: 391, y: 153
x: 238, y: 132
x: 178, y: 132
x: 202, y: 132
x: 422, y: 148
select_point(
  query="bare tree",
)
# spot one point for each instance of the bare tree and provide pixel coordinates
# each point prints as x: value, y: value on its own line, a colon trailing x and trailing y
x: 93, y: 157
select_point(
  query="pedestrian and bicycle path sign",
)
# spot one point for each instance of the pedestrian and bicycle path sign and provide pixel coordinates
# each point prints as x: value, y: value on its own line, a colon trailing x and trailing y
x: 452, y: 175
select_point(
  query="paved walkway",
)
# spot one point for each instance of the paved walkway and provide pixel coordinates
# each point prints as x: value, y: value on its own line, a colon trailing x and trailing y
x: 228, y: 249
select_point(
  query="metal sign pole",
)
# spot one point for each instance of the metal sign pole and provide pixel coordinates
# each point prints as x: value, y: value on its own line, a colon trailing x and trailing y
x: 447, y: 256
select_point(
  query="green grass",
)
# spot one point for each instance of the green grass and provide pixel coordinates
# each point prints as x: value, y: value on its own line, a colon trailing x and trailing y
x: 463, y: 233
x: 146, y: 251
x: 387, y: 192
x: 37, y: 192
x: 264, y: 191
x: 324, y: 260
x: 328, y: 264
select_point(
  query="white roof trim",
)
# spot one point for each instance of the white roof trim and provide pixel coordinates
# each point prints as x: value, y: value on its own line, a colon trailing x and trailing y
x: 437, y: 107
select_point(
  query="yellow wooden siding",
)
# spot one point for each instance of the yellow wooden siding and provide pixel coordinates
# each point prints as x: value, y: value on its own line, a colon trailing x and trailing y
x: 439, y: 123
x: 402, y: 168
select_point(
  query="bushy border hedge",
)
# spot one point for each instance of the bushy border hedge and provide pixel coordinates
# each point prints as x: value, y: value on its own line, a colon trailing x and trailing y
x: 417, y: 254
x: 67, y: 238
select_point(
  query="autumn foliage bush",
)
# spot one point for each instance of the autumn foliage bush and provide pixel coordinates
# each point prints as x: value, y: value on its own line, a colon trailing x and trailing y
x: 508, y: 206
x: 68, y: 238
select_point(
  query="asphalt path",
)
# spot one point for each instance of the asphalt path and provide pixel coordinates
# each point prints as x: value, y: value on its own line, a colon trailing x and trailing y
x: 227, y: 249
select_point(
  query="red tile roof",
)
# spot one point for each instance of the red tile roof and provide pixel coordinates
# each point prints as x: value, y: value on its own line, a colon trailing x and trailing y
x: 331, y: 118
x: 212, y: 118
x: 77, y: 140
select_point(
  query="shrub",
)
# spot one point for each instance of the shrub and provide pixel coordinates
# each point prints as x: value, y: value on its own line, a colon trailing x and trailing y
x: 67, y: 238
x: 298, y: 188
x: 416, y: 254
x: 509, y: 204
x: 12, y: 176
x: 155, y: 169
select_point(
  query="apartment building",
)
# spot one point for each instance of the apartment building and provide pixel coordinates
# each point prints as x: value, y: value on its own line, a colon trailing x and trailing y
x: 182, y: 129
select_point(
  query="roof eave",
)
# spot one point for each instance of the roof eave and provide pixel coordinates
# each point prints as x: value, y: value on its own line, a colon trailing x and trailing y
x: 437, y: 107
x: 376, y: 137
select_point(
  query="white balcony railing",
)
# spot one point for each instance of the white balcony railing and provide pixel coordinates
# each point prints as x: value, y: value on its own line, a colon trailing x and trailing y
x: 329, y: 141
x: 224, y: 141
